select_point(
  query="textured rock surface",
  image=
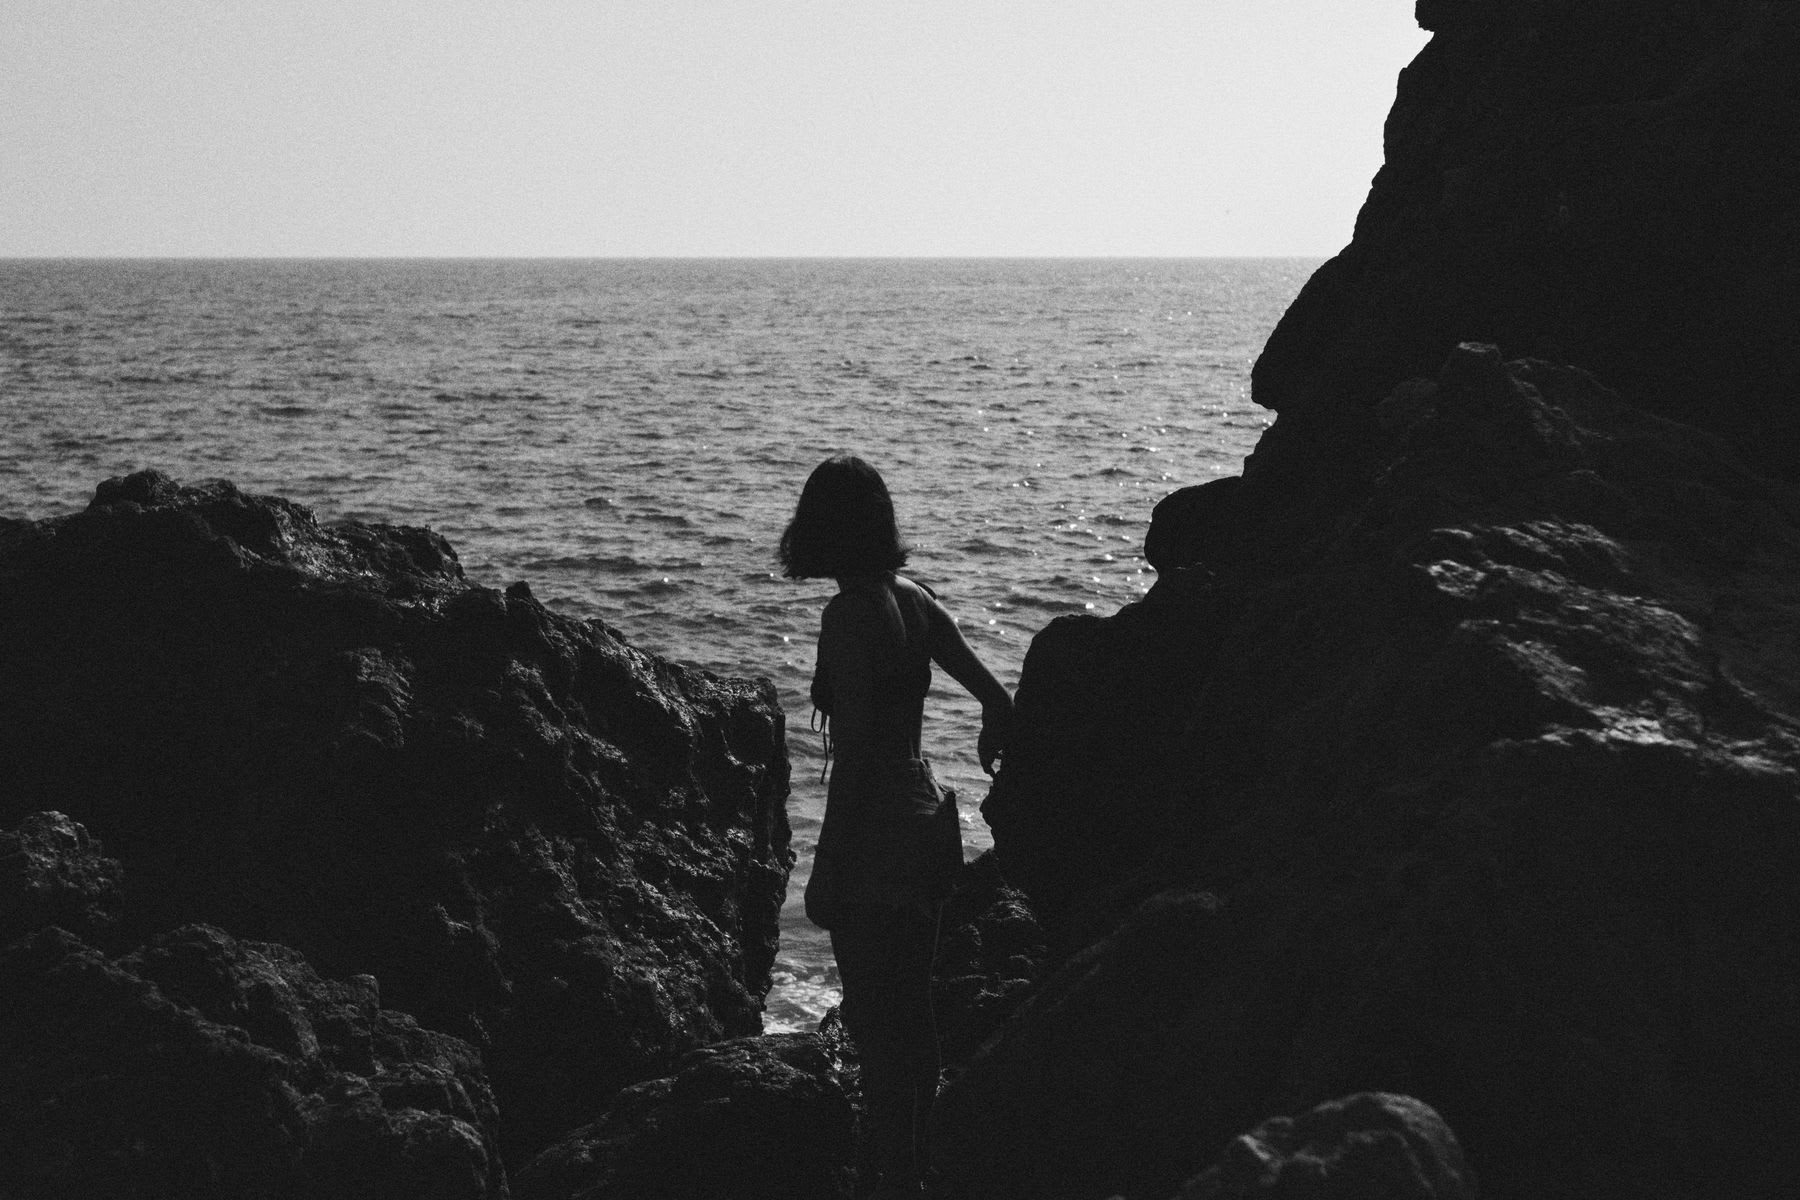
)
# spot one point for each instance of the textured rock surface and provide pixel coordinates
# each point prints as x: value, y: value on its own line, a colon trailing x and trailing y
x: 1363, y: 1146
x: 538, y: 838
x: 1487, y: 793
x: 203, y: 1067
x: 53, y: 873
x: 765, y: 1118
x: 1608, y: 183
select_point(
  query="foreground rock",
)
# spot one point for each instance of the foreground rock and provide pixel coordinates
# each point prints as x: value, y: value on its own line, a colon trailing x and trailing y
x: 1487, y: 792
x: 766, y: 1118
x: 1358, y: 1148
x: 537, y: 838
x: 53, y: 873
x: 203, y: 1067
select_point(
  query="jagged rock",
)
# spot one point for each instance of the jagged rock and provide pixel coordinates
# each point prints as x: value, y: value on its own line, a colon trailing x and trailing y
x: 53, y: 873
x: 203, y: 1067
x: 1606, y: 183
x: 765, y: 1118
x: 1490, y: 797
x: 1358, y: 1148
x: 538, y: 838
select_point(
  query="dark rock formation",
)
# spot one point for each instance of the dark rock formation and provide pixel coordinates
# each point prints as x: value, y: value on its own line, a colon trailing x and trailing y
x: 1456, y: 752
x: 538, y: 838
x: 1608, y: 183
x: 1487, y: 792
x: 53, y: 873
x: 766, y: 1118
x: 204, y: 1068
x: 1364, y: 1146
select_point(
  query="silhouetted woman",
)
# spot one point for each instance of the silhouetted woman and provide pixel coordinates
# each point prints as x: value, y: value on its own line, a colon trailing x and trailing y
x: 890, y: 845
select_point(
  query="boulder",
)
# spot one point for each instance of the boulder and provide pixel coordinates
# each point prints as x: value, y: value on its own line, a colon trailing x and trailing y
x: 1487, y: 793
x: 763, y: 1118
x: 1363, y: 1146
x: 1194, y: 525
x: 540, y: 839
x: 205, y: 1068
x: 53, y: 873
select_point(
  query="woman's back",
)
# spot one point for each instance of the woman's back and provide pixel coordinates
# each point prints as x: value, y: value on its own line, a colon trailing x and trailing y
x: 875, y: 666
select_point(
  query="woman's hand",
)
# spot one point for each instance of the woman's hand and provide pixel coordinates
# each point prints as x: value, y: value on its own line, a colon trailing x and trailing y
x: 996, y: 726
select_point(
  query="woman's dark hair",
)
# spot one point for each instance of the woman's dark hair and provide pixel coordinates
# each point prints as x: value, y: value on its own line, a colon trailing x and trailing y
x: 843, y: 525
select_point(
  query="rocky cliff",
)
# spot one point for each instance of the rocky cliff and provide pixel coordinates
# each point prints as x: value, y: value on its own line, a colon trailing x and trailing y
x: 537, y: 839
x: 1607, y: 183
x: 1456, y: 752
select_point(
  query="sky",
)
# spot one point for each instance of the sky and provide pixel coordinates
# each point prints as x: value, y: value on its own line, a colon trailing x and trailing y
x: 691, y: 127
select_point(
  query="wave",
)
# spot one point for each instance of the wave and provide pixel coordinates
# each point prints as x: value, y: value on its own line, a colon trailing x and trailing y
x: 1049, y: 604
x: 621, y: 564
x: 488, y: 397
x: 985, y: 548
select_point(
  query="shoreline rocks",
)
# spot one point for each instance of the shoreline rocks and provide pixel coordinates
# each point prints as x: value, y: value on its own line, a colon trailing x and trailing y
x: 1491, y: 798
x: 567, y: 852
x: 1456, y: 752
x: 201, y: 1066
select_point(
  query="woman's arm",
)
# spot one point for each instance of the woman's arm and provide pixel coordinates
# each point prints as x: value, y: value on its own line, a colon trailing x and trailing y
x: 951, y: 651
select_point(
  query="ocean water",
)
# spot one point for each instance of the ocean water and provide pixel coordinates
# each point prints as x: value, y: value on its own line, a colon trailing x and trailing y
x: 629, y: 436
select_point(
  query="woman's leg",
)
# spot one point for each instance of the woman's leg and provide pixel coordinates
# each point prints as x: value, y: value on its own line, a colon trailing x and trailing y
x: 884, y: 960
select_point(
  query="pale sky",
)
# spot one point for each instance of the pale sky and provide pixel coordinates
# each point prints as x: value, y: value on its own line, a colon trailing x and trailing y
x: 692, y: 127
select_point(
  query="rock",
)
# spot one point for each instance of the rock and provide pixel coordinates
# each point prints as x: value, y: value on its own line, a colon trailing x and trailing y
x: 204, y: 1067
x: 1602, y: 183
x: 568, y: 852
x: 1194, y: 525
x: 1360, y: 1147
x: 763, y: 1118
x: 1488, y: 793
x: 53, y: 873
x: 989, y: 953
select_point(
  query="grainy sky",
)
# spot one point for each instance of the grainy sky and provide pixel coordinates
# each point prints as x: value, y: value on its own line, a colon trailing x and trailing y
x: 692, y: 127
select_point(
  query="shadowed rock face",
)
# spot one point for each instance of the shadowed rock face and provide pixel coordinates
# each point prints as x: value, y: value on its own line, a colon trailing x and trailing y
x: 538, y: 838
x: 1608, y: 183
x: 203, y: 1067
x: 1488, y: 794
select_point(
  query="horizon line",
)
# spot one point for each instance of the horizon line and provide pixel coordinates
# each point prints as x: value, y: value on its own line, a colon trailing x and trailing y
x: 643, y: 257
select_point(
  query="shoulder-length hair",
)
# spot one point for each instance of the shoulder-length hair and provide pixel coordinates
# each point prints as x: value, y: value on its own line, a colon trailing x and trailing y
x: 843, y: 525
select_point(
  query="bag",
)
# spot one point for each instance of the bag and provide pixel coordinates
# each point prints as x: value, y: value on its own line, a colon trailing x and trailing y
x: 891, y: 837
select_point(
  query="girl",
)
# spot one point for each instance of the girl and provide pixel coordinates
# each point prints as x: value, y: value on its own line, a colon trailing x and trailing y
x: 890, y: 846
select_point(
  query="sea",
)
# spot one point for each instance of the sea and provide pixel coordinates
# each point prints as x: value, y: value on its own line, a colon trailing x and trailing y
x: 629, y: 436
